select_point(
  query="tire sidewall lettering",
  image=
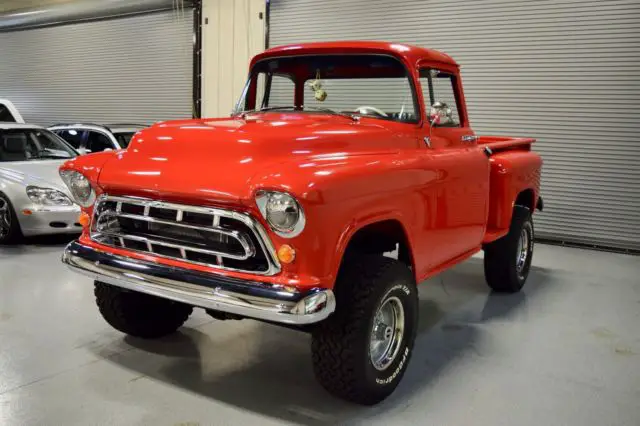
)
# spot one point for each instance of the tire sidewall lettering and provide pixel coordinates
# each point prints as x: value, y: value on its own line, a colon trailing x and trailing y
x: 403, y: 291
x: 397, y: 371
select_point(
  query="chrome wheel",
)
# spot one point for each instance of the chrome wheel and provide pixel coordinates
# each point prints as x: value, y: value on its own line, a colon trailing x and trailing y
x: 387, y: 333
x: 5, y: 218
x: 522, y: 253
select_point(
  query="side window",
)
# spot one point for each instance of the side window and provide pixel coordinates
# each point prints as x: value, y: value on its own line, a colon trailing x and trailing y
x: 97, y: 142
x: 72, y: 136
x: 438, y: 86
x: 5, y: 114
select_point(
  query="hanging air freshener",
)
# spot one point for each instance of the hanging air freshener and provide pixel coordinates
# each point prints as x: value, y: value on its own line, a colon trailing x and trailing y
x: 316, y: 85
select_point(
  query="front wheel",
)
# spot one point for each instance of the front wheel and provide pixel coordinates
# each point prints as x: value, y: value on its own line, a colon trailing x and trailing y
x: 507, y: 261
x: 361, y: 352
x: 9, y: 227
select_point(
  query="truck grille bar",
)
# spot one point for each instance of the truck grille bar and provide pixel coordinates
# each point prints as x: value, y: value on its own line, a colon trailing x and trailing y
x: 212, y: 237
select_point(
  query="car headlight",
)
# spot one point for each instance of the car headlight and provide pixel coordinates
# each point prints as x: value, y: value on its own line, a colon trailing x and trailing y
x: 79, y: 186
x: 282, y: 212
x: 47, y: 196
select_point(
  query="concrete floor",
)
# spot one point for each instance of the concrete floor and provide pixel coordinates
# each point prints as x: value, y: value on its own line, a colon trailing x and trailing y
x: 566, y: 351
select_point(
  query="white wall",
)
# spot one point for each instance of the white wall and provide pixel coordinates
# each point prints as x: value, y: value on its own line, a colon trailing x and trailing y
x: 232, y: 33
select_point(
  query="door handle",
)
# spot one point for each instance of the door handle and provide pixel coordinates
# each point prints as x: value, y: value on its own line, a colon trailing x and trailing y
x: 469, y: 138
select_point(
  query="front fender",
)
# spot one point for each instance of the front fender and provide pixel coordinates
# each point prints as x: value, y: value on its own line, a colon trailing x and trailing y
x: 340, y: 194
x: 90, y: 165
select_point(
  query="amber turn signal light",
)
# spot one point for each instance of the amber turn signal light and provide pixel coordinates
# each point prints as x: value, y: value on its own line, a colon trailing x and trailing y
x: 84, y: 219
x: 286, y: 253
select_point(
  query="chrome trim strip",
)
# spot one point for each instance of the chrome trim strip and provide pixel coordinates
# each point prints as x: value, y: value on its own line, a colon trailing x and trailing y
x: 260, y: 233
x: 151, y: 242
x: 257, y: 300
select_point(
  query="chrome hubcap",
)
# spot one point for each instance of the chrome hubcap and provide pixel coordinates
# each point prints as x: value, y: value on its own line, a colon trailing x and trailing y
x: 387, y: 333
x: 523, y: 251
x: 5, y: 218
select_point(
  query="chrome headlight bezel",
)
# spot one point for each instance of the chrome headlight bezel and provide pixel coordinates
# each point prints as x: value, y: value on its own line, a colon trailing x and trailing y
x: 80, y: 187
x: 47, y: 196
x: 273, y: 205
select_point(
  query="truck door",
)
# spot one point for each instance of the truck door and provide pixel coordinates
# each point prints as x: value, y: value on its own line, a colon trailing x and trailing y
x: 459, y: 198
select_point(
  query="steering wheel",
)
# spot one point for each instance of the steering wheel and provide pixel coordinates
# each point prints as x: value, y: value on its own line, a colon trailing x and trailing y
x: 366, y: 110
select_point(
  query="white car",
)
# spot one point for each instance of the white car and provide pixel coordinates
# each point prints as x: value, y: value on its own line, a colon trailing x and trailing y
x: 86, y: 138
x: 33, y: 198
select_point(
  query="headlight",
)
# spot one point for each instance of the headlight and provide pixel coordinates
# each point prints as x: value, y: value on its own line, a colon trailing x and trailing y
x: 79, y: 186
x: 47, y: 196
x: 282, y: 212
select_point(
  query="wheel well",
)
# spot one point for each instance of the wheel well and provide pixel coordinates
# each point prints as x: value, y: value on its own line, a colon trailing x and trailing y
x: 380, y: 238
x: 526, y: 198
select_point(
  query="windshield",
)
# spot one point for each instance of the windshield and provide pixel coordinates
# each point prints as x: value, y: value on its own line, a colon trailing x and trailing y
x: 377, y: 86
x: 123, y: 138
x: 32, y: 144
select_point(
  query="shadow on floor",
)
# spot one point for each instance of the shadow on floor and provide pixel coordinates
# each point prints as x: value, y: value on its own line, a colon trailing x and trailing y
x: 267, y: 369
x: 41, y: 243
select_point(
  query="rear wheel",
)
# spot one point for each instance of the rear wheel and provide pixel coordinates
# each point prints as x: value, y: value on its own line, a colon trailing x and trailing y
x: 361, y: 352
x: 507, y: 261
x: 9, y: 227
x: 139, y: 314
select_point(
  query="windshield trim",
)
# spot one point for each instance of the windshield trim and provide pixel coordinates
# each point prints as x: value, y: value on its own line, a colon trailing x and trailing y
x: 409, y: 74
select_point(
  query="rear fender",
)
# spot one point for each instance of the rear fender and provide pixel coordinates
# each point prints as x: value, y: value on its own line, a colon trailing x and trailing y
x: 515, y: 176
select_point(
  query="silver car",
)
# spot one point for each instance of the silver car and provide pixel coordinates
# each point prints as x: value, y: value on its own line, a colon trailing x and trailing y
x: 33, y: 198
x: 87, y: 138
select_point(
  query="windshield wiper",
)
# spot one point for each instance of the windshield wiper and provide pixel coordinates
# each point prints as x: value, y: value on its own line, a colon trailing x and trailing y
x: 272, y: 108
x: 295, y: 108
x: 331, y: 111
x: 43, y: 153
x: 42, y: 157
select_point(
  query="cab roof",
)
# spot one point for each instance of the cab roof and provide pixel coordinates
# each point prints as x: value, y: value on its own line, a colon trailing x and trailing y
x: 411, y: 55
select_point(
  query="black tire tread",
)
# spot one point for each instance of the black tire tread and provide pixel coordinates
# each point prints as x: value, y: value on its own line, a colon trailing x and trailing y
x: 15, y: 233
x: 498, y: 255
x: 138, y: 314
x: 334, y: 340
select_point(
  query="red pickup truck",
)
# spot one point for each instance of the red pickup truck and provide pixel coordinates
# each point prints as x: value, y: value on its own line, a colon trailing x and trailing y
x: 347, y: 174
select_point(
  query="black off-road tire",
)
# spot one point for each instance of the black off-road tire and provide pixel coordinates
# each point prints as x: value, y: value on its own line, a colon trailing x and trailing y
x: 15, y: 233
x: 340, y: 345
x: 501, y: 256
x: 138, y: 314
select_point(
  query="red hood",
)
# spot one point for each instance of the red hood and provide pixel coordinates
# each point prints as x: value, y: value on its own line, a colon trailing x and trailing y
x: 216, y: 159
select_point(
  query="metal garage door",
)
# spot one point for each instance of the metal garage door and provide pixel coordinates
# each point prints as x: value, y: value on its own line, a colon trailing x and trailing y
x: 135, y: 69
x: 566, y: 72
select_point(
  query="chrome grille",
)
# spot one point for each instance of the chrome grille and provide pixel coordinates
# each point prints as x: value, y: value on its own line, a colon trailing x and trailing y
x: 213, y: 237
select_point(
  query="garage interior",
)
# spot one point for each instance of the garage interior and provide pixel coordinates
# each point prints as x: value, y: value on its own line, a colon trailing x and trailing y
x: 565, y: 350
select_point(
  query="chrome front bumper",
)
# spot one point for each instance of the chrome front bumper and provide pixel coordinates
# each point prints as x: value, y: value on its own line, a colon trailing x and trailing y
x: 252, y: 299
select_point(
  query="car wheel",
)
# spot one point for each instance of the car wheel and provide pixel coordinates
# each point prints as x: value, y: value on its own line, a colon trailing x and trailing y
x: 361, y: 352
x: 9, y: 227
x: 507, y: 261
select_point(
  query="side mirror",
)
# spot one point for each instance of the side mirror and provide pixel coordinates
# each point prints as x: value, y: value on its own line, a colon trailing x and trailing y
x: 440, y: 113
